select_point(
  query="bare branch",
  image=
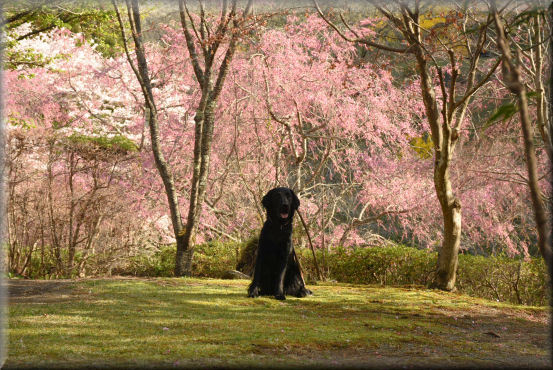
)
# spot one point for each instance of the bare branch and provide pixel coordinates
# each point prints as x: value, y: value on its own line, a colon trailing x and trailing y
x: 364, y: 41
x: 125, y: 43
x: 190, y: 44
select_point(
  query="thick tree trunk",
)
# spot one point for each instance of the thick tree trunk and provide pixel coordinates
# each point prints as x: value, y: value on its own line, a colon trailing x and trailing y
x: 182, y: 255
x: 451, y: 213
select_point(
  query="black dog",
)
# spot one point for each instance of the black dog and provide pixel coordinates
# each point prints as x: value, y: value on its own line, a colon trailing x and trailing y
x: 277, y: 271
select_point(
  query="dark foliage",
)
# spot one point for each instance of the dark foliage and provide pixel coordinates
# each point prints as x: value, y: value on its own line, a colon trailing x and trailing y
x: 246, y: 261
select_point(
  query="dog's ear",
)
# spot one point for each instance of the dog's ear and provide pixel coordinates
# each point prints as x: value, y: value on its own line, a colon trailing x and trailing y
x: 266, y: 201
x: 295, y: 200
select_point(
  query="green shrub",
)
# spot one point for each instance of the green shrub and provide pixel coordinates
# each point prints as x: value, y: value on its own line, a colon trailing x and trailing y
x: 503, y: 279
x: 42, y: 268
x: 214, y: 258
x: 47, y: 267
x: 159, y: 264
x: 210, y: 259
x: 498, y: 277
x: 387, y: 265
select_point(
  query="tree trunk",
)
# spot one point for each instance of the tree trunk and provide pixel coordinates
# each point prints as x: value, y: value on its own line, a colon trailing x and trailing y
x: 512, y: 76
x: 3, y: 208
x: 540, y: 214
x: 202, y: 152
x: 550, y: 124
x: 204, y: 116
x: 53, y: 228
x: 450, y: 206
x: 72, y: 205
x: 449, y: 252
x: 182, y: 257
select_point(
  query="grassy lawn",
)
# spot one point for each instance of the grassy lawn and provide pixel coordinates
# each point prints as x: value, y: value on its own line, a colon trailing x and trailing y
x: 204, y: 322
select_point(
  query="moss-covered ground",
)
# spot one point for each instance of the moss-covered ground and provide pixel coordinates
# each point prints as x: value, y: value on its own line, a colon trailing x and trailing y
x: 204, y: 322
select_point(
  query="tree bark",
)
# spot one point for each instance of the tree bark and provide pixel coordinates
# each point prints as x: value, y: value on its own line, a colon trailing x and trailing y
x: 204, y: 115
x: 53, y: 225
x: 448, y: 254
x: 202, y: 151
x: 550, y: 127
x: 550, y: 123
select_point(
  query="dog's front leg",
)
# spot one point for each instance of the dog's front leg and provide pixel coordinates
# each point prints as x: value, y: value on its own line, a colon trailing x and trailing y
x: 253, y: 290
x: 279, y: 294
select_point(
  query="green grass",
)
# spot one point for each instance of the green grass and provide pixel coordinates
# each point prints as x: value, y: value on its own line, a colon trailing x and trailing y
x: 193, y: 322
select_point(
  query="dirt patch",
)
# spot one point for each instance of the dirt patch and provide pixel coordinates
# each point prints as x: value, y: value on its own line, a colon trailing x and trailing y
x: 50, y: 291
x: 39, y: 291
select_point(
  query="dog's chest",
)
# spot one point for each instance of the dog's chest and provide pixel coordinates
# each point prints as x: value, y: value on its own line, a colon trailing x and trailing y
x: 277, y: 241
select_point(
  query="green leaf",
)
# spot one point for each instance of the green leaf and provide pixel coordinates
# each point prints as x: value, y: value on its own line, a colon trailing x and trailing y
x: 507, y: 110
x: 503, y: 113
x: 532, y: 94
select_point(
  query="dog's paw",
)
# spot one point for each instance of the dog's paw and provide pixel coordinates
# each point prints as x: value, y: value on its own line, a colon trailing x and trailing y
x: 280, y: 297
x: 303, y: 292
x: 253, y: 293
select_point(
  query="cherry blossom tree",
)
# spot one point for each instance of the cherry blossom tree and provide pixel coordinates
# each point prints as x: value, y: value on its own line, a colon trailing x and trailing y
x: 210, y: 76
x: 68, y: 158
x: 439, y: 52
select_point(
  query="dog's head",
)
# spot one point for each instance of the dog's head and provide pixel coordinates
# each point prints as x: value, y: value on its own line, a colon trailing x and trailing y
x: 281, y: 203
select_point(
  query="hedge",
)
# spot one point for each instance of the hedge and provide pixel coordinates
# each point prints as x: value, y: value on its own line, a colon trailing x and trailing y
x: 515, y: 280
